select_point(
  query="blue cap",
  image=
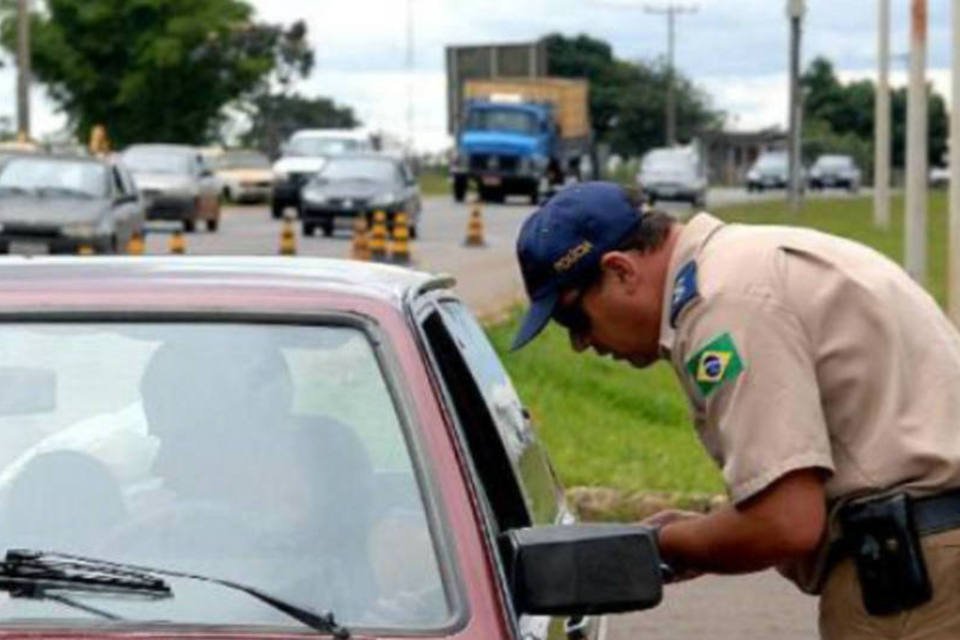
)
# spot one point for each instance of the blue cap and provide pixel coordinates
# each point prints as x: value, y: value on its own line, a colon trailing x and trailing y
x: 561, y: 244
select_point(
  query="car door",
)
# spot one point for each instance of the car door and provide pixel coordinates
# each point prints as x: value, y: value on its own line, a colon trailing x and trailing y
x: 138, y: 212
x: 123, y: 208
x: 510, y: 466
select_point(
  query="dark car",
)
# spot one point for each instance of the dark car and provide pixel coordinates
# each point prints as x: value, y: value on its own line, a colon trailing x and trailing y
x: 835, y: 171
x: 350, y: 186
x: 770, y: 171
x: 54, y: 204
x: 176, y: 184
x: 261, y: 448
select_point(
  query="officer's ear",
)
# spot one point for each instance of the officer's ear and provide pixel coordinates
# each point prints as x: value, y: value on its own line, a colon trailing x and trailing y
x: 622, y: 267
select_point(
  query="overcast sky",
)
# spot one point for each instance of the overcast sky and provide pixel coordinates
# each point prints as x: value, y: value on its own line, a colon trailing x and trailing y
x: 735, y: 49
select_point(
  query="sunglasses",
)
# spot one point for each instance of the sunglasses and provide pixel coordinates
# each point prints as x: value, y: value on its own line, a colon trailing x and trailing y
x: 571, y: 316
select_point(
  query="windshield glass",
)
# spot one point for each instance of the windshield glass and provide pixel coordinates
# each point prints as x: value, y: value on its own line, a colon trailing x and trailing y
x: 772, y: 161
x: 667, y: 161
x: 307, y: 146
x: 359, y: 168
x: 268, y: 455
x: 157, y: 162
x: 242, y: 161
x: 87, y: 179
x: 511, y: 120
x: 833, y: 162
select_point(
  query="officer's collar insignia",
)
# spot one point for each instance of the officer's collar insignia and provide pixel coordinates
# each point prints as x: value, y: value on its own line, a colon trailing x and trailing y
x: 684, y: 291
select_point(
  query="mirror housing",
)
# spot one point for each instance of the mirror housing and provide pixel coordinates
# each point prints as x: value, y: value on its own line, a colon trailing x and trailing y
x: 27, y: 390
x: 584, y: 569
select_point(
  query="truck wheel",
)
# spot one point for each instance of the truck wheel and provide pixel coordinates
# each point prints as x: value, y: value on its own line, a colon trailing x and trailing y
x: 459, y: 188
x: 492, y: 195
x: 189, y: 225
x: 308, y: 229
x: 276, y: 210
x: 534, y: 195
x: 213, y: 224
x: 327, y: 228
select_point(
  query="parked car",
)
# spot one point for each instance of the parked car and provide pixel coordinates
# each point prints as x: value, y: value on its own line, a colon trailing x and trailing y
x: 245, y: 175
x: 337, y: 440
x: 349, y: 186
x: 673, y: 173
x: 176, y: 184
x: 60, y: 204
x: 839, y: 171
x: 304, y: 155
x: 769, y: 171
x: 939, y: 177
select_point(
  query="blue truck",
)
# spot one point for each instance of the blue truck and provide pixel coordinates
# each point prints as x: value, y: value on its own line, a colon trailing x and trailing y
x: 520, y: 136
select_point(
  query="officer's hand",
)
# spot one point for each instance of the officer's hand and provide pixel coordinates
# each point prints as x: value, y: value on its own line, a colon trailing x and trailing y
x: 660, y: 520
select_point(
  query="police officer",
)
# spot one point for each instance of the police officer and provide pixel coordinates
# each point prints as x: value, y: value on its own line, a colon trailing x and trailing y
x: 822, y: 380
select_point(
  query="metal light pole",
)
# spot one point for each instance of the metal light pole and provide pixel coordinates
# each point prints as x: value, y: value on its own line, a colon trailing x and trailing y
x: 795, y: 11
x: 881, y: 120
x: 915, y: 223
x: 671, y: 11
x: 409, y: 61
x: 953, y: 248
x: 23, y: 69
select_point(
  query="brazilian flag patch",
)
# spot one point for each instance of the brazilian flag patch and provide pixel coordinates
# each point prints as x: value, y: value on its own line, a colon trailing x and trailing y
x: 715, y: 363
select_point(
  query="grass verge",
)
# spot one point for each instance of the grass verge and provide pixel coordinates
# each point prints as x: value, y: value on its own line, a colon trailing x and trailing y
x: 608, y: 425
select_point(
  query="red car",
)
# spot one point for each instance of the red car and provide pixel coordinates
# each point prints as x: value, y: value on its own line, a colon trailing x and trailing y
x: 274, y: 448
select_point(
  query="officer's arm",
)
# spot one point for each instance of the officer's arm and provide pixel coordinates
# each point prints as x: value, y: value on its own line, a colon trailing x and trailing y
x: 783, y: 522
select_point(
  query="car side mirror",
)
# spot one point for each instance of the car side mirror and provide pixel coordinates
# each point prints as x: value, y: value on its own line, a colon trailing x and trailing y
x: 584, y: 569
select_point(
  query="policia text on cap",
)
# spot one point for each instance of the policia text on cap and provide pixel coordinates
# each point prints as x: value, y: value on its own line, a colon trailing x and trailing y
x: 823, y: 381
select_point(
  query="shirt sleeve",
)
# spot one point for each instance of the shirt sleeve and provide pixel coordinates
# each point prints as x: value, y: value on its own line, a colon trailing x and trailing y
x: 749, y: 370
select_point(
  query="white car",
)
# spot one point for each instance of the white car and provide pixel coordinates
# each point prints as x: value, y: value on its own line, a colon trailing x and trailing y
x: 304, y: 155
x: 673, y: 173
x: 939, y: 177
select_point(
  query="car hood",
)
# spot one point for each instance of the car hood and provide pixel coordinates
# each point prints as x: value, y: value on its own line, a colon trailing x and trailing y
x: 667, y: 175
x: 162, y: 181
x: 51, y: 211
x: 299, y: 164
x: 358, y: 189
x: 498, y: 142
x: 245, y: 175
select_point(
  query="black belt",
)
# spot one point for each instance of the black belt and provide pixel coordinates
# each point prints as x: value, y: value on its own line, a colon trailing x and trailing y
x: 934, y: 514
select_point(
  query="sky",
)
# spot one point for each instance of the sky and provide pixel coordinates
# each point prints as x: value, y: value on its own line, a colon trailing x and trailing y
x: 736, y: 50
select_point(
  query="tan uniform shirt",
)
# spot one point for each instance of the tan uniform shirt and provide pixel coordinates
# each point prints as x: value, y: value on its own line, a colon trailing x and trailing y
x: 799, y: 350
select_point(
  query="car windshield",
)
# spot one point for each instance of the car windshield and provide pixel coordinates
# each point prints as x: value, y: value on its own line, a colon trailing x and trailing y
x: 777, y: 161
x: 668, y: 161
x: 269, y: 455
x: 833, y: 162
x: 510, y: 120
x: 242, y: 161
x: 307, y: 146
x: 157, y: 162
x: 359, y: 169
x: 60, y: 177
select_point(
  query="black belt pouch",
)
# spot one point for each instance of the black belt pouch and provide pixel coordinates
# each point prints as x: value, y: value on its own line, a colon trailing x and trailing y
x: 880, y: 535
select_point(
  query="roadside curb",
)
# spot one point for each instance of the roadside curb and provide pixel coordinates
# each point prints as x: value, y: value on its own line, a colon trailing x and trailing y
x: 604, y: 504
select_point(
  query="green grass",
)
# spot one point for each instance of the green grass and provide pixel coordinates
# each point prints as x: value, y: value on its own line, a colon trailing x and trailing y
x: 606, y: 424
x: 434, y: 182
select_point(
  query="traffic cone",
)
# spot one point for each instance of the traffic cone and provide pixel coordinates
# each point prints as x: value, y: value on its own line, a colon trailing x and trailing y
x: 288, y: 238
x: 400, y: 243
x: 135, y: 246
x: 378, y: 237
x: 475, y: 228
x: 360, y: 250
x: 85, y: 250
x: 178, y: 246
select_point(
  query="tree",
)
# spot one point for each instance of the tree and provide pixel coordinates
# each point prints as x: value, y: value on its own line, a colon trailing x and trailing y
x: 847, y: 110
x: 156, y: 70
x: 628, y: 99
x: 275, y: 117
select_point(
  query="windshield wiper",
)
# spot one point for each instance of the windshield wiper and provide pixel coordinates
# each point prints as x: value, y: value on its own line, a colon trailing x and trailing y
x: 27, y: 573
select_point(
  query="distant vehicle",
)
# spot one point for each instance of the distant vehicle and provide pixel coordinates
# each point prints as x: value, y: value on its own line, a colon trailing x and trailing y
x: 176, y: 184
x: 304, y: 155
x: 245, y: 175
x: 673, y: 173
x: 771, y: 170
x: 52, y: 204
x: 521, y: 136
x: 940, y: 177
x: 839, y: 171
x: 356, y: 185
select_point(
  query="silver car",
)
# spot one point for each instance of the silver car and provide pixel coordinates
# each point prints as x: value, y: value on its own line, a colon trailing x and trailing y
x: 51, y: 204
x: 672, y: 173
x: 831, y: 170
x: 176, y: 184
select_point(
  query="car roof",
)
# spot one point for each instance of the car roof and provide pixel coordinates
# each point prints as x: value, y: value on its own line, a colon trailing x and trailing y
x: 164, y: 148
x: 351, y: 134
x: 167, y: 274
x: 61, y: 157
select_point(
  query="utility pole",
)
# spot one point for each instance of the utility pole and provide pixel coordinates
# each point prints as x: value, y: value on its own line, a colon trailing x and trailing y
x: 953, y: 248
x: 23, y: 69
x: 915, y: 224
x: 671, y: 11
x: 881, y: 152
x: 409, y: 60
x: 795, y: 11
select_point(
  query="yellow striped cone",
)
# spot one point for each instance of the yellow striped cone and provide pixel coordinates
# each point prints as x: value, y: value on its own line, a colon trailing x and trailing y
x: 288, y: 238
x: 85, y: 250
x: 378, y: 237
x: 475, y: 229
x: 178, y: 245
x: 400, y: 243
x: 135, y: 246
x: 360, y: 250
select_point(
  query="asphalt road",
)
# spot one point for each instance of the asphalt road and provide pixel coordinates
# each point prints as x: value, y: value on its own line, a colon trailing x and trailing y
x: 757, y: 606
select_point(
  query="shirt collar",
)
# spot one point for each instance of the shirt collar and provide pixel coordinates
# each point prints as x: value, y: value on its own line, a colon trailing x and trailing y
x: 693, y: 236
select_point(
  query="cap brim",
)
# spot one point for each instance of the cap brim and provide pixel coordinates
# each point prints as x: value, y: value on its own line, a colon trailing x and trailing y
x: 536, y: 319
